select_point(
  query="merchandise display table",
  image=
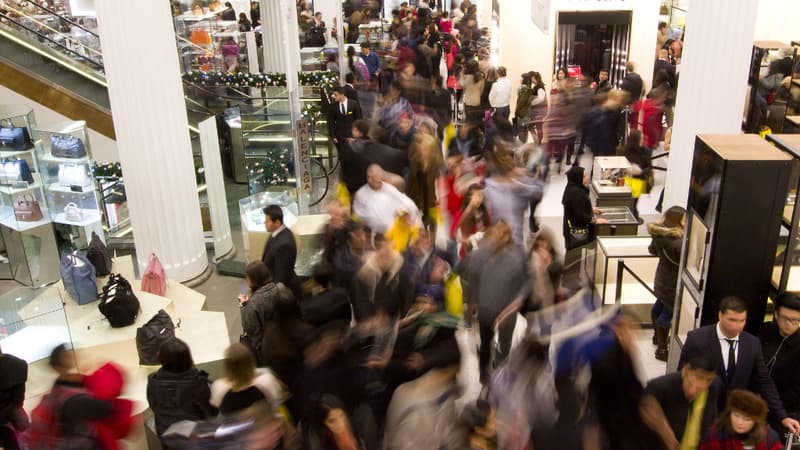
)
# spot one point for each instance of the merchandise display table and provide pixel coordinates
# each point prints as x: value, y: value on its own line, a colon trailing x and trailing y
x: 633, y: 250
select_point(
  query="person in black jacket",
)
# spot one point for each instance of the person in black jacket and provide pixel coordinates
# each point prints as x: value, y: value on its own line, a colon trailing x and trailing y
x: 666, y: 244
x: 343, y: 112
x: 325, y: 303
x: 632, y: 83
x: 578, y: 213
x: 178, y: 390
x: 280, y: 253
x: 671, y: 398
x: 739, y: 361
x: 13, y: 375
x: 780, y: 343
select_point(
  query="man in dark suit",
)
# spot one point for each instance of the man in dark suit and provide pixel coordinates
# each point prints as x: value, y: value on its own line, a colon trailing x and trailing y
x: 342, y: 114
x: 280, y: 253
x: 663, y: 64
x: 350, y: 90
x: 739, y: 362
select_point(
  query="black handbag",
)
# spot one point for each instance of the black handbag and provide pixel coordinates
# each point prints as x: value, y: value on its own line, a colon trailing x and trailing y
x: 67, y: 147
x: 118, y: 303
x: 578, y: 236
x: 151, y: 335
x: 14, y: 138
x: 98, y: 255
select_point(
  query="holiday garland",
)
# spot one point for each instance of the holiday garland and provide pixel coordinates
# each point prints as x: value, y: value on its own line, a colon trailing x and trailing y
x: 326, y: 79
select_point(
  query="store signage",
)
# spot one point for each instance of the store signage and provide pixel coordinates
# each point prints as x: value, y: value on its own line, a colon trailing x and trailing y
x: 304, y: 153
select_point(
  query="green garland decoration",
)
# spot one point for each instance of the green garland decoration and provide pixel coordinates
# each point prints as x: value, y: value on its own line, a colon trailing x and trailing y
x: 324, y: 79
x: 108, y: 170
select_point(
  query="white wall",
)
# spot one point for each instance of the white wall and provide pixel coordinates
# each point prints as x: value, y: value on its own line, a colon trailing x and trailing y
x: 103, y: 149
x: 778, y: 20
x: 523, y: 46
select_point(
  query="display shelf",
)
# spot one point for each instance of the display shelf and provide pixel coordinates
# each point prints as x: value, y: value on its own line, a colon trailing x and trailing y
x: 8, y: 219
x: 49, y: 158
x: 738, y: 188
x: 794, y: 119
x: 10, y: 190
x: 15, y: 153
x: 89, y: 218
x: 785, y: 276
x: 55, y: 187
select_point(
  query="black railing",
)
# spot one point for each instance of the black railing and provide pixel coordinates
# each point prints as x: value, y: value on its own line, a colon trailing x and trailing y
x: 621, y: 269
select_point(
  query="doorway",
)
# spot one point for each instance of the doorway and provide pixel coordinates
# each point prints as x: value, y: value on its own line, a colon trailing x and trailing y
x: 588, y: 42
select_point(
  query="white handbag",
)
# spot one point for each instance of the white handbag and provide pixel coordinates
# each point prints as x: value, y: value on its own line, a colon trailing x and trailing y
x: 73, y: 175
x: 73, y: 213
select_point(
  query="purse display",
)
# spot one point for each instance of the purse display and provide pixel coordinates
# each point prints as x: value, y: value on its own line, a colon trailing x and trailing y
x: 13, y: 138
x: 67, y: 147
x: 151, y: 335
x: 79, y: 277
x: 73, y: 213
x: 74, y: 175
x: 27, y: 209
x: 15, y: 171
x: 154, y: 279
x: 98, y: 255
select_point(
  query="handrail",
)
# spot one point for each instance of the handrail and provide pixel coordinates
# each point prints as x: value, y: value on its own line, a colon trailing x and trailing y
x: 64, y: 18
x: 35, y: 20
x: 621, y: 268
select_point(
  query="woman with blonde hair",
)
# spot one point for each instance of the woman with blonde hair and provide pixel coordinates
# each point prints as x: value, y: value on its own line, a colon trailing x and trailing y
x: 244, y: 385
x: 743, y: 425
x: 426, y: 165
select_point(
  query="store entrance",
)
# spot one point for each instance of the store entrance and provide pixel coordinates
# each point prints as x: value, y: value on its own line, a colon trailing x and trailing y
x: 587, y: 42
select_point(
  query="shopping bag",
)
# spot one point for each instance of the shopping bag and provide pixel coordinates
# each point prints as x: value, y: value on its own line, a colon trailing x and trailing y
x: 454, y: 296
x: 637, y: 186
x: 342, y: 194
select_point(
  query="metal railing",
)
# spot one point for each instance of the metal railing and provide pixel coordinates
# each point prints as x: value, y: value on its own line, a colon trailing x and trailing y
x: 621, y: 269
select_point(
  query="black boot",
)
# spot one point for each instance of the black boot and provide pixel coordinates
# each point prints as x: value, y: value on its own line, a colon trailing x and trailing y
x: 662, y: 343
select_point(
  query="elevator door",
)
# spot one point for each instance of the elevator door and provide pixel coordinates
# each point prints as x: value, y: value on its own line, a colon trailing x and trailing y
x: 594, y: 41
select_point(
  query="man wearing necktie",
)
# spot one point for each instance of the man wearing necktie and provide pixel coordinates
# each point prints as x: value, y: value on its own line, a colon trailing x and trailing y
x: 740, y: 363
x: 343, y: 112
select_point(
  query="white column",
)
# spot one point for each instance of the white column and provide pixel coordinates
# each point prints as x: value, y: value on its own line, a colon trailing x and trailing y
x: 713, y: 83
x: 150, y: 122
x: 272, y: 35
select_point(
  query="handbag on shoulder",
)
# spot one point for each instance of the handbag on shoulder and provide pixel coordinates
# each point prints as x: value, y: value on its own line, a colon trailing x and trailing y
x: 98, y: 255
x: 67, y: 147
x: 578, y: 236
x: 13, y: 138
x: 118, y: 303
x: 151, y: 335
x: 154, y: 279
x: 79, y: 277
x: 27, y: 209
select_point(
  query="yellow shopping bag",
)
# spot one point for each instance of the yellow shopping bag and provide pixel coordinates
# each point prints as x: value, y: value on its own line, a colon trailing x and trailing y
x: 454, y: 296
x: 449, y: 134
x: 637, y: 186
x: 342, y: 194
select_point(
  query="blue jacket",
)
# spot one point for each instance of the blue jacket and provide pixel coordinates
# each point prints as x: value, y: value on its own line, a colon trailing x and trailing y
x: 373, y: 63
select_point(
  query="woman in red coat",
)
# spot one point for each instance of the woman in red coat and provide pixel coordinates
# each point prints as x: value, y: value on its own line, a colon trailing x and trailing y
x: 742, y: 426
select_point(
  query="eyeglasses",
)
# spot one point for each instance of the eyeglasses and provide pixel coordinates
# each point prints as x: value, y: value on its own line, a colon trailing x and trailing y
x: 795, y: 322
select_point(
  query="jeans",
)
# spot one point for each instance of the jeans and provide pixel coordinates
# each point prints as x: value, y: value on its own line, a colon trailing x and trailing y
x: 503, y: 111
x: 661, y: 314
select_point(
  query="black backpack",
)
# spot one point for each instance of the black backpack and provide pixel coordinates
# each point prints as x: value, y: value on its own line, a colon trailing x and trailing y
x: 151, y: 335
x: 98, y: 255
x: 118, y: 303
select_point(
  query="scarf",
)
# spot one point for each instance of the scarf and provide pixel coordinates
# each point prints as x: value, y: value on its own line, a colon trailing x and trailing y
x: 691, y: 436
x: 431, y: 323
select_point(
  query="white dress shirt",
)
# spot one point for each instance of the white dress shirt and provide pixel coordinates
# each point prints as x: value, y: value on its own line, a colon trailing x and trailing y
x: 377, y: 208
x: 724, y: 346
x: 500, y: 94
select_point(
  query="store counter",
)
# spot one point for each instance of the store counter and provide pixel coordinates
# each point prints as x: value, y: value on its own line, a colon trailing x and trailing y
x: 634, y: 252
x: 621, y: 222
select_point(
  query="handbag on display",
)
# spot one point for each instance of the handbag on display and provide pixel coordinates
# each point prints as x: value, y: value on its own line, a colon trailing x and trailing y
x: 118, y: 303
x: 200, y: 37
x: 98, y: 255
x: 27, y: 209
x: 151, y: 335
x: 74, y: 175
x: 578, y: 236
x: 154, y: 280
x: 15, y: 171
x: 15, y: 138
x: 67, y: 147
x: 79, y: 277
x: 73, y: 213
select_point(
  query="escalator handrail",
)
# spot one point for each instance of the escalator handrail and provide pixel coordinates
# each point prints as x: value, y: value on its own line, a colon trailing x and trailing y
x: 58, y: 44
x: 65, y: 19
x: 54, y: 31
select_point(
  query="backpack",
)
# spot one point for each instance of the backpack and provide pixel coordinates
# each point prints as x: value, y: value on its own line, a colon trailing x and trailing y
x: 154, y: 280
x: 98, y: 255
x: 44, y: 432
x: 118, y: 303
x: 151, y: 335
x: 79, y: 277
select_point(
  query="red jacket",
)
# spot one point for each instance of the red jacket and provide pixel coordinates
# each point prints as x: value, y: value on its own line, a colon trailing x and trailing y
x: 723, y: 439
x: 646, y: 116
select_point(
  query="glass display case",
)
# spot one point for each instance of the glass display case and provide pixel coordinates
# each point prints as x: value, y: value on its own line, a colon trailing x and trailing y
x: 634, y: 252
x: 251, y: 214
x: 201, y: 40
x: 766, y: 106
x: 64, y: 157
x: 32, y: 322
x: 29, y: 254
x: 608, y: 182
x: 786, y: 272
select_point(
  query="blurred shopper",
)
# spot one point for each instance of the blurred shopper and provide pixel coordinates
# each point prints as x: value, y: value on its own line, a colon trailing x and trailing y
x: 538, y: 106
x: 522, y: 110
x: 258, y: 306
x: 472, y: 81
x: 647, y: 115
x: 740, y: 362
x: 603, y: 83
x: 602, y: 125
x: 666, y: 245
x: 560, y: 127
x: 394, y: 105
x: 334, y: 428
x: 640, y: 173
x: 632, y: 84
x: 425, y: 168
x: 243, y: 386
x: 377, y: 202
x: 178, y: 390
x: 780, y: 343
x: 545, y: 266
x: 403, y: 134
x: 472, y: 221
x: 743, y: 424
x: 682, y: 405
x: 381, y: 287
x: 13, y: 419
x: 325, y: 303
x: 498, y: 285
